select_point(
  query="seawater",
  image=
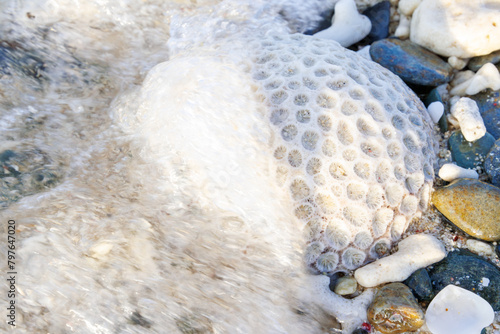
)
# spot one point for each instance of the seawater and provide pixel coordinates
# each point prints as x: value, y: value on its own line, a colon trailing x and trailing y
x: 178, y: 236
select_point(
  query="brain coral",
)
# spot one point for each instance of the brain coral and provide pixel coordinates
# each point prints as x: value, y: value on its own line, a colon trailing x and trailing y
x: 354, y: 147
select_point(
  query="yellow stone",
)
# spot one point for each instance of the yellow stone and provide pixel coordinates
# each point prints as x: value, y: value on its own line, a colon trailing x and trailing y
x: 395, y: 310
x: 473, y: 206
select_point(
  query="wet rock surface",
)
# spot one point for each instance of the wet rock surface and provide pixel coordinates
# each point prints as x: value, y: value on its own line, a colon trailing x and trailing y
x: 395, y: 310
x: 492, y: 164
x: 379, y: 15
x: 488, y: 102
x: 469, y: 154
x: 472, y: 205
x: 469, y: 271
x: 411, y: 62
x: 420, y: 284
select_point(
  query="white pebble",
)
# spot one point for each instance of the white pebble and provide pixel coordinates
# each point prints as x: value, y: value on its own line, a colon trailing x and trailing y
x: 450, y: 172
x: 415, y: 252
x: 479, y: 247
x: 466, y: 111
x: 436, y: 110
x: 457, y: 63
x: 348, y: 26
x: 403, y: 29
x: 486, y: 77
x: 458, y: 311
x: 485, y: 281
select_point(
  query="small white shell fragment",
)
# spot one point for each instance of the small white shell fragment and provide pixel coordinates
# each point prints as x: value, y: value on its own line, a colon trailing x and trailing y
x: 403, y: 29
x: 458, y: 311
x: 479, y: 247
x: 466, y: 111
x: 415, y: 252
x: 450, y: 172
x: 436, y: 110
x: 348, y: 26
x: 486, y: 77
x: 457, y: 63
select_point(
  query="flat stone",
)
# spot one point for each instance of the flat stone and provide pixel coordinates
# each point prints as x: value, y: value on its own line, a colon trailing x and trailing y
x: 395, y: 310
x: 477, y: 62
x: 471, y: 272
x: 488, y: 102
x: 458, y: 311
x: 473, y: 206
x: 492, y: 164
x: 380, y: 16
x: 469, y: 154
x: 420, y: 284
x: 411, y: 62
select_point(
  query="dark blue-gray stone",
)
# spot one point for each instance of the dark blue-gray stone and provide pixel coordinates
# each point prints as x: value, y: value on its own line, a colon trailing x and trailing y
x: 497, y: 250
x: 380, y: 16
x: 467, y: 271
x: 469, y: 154
x: 434, y: 96
x: 492, y: 164
x: 420, y: 284
x: 411, y: 62
x: 488, y: 103
x: 477, y: 62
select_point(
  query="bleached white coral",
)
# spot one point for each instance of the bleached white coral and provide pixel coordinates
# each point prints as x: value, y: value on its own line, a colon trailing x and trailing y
x: 345, y: 121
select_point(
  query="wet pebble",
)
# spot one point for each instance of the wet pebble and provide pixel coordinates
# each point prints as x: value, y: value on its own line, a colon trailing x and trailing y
x: 395, y: 310
x: 488, y: 103
x: 471, y: 272
x: 411, y: 62
x: 458, y: 311
x: 477, y: 62
x: 25, y: 172
x: 472, y: 205
x: 420, y: 284
x: 492, y: 164
x: 379, y: 15
x: 346, y: 285
x: 469, y: 154
x: 434, y: 96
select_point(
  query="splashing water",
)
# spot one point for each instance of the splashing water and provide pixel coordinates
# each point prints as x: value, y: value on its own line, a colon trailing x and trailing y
x: 128, y: 222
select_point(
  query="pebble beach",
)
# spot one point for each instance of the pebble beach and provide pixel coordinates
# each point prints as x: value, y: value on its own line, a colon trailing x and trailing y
x: 250, y: 166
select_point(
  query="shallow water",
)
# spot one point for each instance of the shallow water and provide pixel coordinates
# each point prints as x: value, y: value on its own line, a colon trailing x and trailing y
x: 108, y: 240
x: 116, y: 234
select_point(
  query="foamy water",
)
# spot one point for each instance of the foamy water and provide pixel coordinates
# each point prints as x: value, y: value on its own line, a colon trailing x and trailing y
x: 137, y: 237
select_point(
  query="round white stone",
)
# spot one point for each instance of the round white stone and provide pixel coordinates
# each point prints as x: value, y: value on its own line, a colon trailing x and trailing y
x: 436, y: 110
x: 450, y: 172
x: 458, y: 311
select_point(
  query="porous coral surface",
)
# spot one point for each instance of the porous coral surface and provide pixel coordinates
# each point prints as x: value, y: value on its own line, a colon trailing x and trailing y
x: 354, y: 147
